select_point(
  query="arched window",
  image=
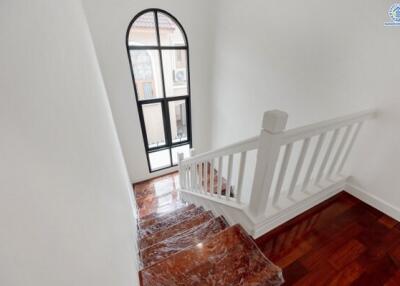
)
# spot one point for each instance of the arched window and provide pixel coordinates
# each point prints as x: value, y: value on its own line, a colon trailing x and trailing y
x: 159, y: 61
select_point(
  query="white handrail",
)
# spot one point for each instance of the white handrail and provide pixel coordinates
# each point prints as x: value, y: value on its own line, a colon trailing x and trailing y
x: 244, y: 145
x: 296, y: 134
x: 323, y: 150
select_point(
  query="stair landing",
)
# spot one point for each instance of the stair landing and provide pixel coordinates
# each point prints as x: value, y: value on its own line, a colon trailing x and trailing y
x: 183, y: 244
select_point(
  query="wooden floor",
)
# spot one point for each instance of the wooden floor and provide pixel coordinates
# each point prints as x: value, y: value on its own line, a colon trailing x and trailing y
x: 340, y: 242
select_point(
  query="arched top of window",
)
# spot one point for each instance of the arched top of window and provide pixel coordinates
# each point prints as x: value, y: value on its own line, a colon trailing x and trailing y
x: 154, y: 27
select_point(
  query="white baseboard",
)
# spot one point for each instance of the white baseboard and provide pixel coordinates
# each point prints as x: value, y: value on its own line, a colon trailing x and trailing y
x: 373, y: 201
x: 155, y: 175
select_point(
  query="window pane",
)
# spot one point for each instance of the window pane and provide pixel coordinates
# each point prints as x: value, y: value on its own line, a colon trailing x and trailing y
x: 175, y: 72
x: 181, y: 149
x: 159, y: 159
x: 143, y: 31
x: 154, y: 124
x: 178, y: 120
x: 170, y: 33
x: 147, y: 73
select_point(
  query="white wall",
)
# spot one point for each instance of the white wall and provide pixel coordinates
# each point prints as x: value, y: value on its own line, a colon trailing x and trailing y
x: 315, y: 60
x: 65, y: 211
x: 108, y: 22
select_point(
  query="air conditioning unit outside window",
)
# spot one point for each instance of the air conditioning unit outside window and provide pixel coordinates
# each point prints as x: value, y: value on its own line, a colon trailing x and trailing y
x: 180, y: 75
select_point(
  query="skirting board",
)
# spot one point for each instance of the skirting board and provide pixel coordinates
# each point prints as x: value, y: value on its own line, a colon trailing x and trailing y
x: 155, y: 175
x: 373, y: 201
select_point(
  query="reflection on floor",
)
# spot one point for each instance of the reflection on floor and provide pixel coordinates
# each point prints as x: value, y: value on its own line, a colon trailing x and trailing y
x: 342, y: 241
x: 157, y: 196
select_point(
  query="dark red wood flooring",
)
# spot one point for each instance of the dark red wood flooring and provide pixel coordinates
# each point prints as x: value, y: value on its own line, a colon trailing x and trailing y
x: 342, y: 241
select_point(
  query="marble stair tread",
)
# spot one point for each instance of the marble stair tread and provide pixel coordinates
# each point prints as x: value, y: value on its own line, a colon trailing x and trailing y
x: 154, y: 199
x: 143, y: 223
x: 258, y: 278
x: 143, y: 232
x: 171, y: 245
x: 230, y: 257
x: 142, y: 191
x: 149, y: 205
x: 160, y: 210
x: 155, y: 187
x: 175, y: 229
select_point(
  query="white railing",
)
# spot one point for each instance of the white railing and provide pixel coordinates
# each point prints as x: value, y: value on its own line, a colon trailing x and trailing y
x: 204, y: 173
x: 290, y: 164
x: 307, y: 167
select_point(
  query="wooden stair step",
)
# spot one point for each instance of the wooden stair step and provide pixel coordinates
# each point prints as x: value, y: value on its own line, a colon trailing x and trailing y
x: 143, y: 223
x: 166, y: 223
x: 229, y: 258
x: 175, y: 229
x: 171, y: 245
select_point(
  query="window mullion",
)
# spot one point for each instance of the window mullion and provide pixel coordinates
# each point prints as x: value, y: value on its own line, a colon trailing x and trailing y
x: 157, y: 47
x: 167, y: 127
x: 157, y: 28
x: 189, y: 121
x: 143, y: 126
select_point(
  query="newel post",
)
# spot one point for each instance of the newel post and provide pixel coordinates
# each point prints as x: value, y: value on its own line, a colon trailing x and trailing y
x: 274, y: 123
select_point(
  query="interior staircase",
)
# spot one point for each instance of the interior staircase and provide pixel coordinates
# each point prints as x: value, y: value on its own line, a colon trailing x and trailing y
x: 183, y: 244
x: 203, y: 233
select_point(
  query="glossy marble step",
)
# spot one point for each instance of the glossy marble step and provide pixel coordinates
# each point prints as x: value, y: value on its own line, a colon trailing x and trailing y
x: 157, y: 186
x: 155, y: 200
x: 229, y: 258
x: 155, y: 204
x: 175, y: 229
x: 157, y: 196
x: 166, y: 223
x: 147, y: 190
x: 160, y: 210
x: 171, y: 245
x: 154, y: 220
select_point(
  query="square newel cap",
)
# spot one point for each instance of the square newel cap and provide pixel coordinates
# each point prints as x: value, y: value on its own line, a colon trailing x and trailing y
x: 274, y: 121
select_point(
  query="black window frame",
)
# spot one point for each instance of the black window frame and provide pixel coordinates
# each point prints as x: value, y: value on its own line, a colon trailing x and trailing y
x: 164, y: 101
